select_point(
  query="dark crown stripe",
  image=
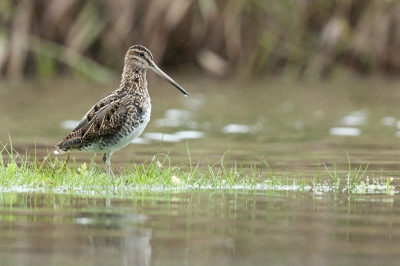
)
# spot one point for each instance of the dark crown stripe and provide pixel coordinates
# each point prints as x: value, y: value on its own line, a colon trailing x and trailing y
x: 141, y: 48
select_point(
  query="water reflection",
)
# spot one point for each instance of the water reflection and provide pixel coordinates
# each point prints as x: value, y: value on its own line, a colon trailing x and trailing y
x: 174, y: 118
x: 45, y: 229
x: 345, y: 131
x: 69, y: 124
x: 189, y: 134
x: 199, y: 228
x: 175, y: 137
x: 355, y: 118
x: 235, y: 128
x: 389, y: 121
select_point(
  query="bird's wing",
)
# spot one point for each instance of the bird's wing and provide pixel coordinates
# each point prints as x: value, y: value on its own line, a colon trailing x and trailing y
x: 102, y: 120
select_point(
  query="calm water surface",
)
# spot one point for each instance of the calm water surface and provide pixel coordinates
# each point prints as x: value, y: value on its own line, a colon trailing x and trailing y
x: 294, y: 125
x: 200, y: 228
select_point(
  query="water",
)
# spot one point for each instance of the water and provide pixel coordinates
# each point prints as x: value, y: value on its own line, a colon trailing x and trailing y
x: 200, y: 228
x: 294, y: 125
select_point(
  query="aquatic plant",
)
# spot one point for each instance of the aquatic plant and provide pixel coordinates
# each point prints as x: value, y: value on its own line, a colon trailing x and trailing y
x: 23, y: 171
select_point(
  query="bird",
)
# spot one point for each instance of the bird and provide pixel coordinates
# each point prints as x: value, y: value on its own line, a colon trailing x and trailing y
x: 122, y: 115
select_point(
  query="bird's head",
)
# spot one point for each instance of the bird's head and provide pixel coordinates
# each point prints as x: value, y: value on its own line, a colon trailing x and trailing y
x: 140, y: 57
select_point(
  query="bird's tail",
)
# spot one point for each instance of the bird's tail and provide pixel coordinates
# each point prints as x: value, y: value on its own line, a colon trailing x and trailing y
x: 60, y: 150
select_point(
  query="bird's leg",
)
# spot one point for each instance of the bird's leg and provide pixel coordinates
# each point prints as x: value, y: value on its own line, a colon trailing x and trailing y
x: 107, y: 160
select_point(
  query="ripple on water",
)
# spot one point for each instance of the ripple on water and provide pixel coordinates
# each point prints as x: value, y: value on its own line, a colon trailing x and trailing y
x: 355, y: 118
x: 174, y: 118
x: 345, y: 131
x: 175, y: 137
x: 389, y: 121
x: 350, y: 121
x: 69, y: 124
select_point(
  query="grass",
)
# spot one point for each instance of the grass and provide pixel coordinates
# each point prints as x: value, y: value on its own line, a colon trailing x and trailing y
x: 23, y: 172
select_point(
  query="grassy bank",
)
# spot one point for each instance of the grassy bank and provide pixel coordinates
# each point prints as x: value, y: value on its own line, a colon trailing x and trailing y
x: 29, y: 172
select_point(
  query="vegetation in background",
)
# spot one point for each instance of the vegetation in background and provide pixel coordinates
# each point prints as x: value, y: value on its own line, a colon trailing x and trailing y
x: 45, y: 38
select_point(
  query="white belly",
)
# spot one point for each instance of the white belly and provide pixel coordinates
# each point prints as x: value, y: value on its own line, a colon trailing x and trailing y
x: 133, y: 135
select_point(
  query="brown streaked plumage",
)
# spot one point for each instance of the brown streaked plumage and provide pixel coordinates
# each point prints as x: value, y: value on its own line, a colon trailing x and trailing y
x: 121, y: 116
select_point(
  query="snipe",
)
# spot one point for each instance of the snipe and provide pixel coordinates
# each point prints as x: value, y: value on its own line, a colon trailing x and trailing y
x: 121, y: 116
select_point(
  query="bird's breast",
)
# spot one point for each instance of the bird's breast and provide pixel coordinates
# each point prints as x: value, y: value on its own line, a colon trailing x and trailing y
x: 133, y: 128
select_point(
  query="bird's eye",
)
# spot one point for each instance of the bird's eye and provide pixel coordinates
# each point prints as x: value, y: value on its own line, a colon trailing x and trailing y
x: 141, y: 54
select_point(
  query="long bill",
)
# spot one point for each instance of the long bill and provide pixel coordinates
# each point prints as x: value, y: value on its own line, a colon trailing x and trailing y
x: 170, y: 80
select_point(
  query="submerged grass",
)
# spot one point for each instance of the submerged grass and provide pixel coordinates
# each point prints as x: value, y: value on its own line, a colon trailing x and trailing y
x: 23, y: 172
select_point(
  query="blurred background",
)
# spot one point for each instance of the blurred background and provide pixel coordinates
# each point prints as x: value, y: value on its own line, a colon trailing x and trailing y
x: 310, y: 86
x: 313, y: 38
x: 295, y: 80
